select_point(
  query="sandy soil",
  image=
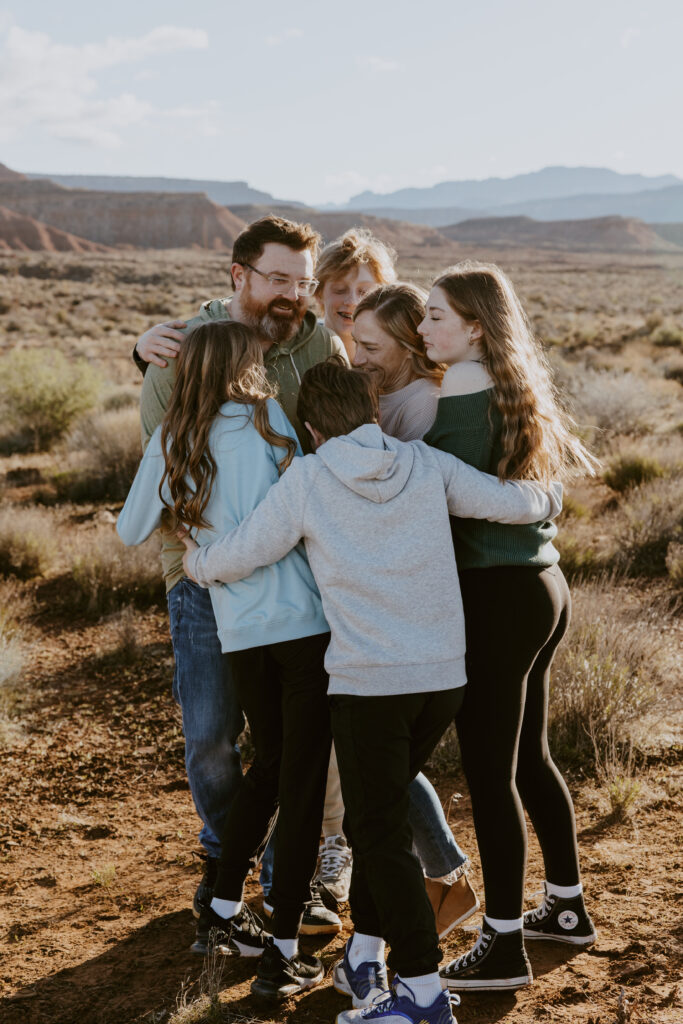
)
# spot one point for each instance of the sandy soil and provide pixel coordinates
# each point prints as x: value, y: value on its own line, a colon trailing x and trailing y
x: 98, y: 867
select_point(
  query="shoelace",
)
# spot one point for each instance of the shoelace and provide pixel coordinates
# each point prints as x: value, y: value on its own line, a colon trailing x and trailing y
x: 545, y: 907
x: 249, y: 921
x: 470, y: 957
x: 385, y: 1001
x: 333, y: 858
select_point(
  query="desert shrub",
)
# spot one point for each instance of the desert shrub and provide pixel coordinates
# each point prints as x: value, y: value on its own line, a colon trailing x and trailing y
x: 650, y: 519
x: 121, y: 398
x: 110, y: 443
x: 43, y: 393
x: 674, y: 563
x: 14, y: 606
x: 606, y: 672
x: 627, y: 471
x: 106, y: 575
x: 613, y: 401
x: 27, y: 542
x: 664, y: 337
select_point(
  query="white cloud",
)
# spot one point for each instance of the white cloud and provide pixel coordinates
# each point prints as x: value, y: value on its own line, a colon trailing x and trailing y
x: 378, y: 64
x: 627, y: 36
x: 284, y: 37
x: 49, y: 87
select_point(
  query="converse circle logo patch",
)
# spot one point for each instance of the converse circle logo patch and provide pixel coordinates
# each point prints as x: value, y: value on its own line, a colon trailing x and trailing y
x: 567, y: 920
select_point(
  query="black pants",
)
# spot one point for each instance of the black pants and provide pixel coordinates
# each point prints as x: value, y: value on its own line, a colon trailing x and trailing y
x: 382, y: 743
x: 515, y: 617
x: 283, y: 691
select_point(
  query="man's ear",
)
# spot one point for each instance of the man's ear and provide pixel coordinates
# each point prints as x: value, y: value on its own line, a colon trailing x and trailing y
x: 238, y: 275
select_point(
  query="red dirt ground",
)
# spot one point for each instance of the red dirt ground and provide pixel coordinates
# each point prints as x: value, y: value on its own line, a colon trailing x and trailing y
x: 97, y: 869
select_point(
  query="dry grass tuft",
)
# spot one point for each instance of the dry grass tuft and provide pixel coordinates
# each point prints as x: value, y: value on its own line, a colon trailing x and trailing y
x: 111, y: 450
x: 27, y: 542
x: 15, y: 606
x: 106, y: 575
x: 608, y: 670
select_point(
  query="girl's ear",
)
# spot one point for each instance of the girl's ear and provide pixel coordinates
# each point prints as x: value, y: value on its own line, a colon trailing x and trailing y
x: 476, y: 332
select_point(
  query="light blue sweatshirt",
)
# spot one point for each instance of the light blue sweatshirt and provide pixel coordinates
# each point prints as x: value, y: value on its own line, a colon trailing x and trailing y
x: 275, y: 602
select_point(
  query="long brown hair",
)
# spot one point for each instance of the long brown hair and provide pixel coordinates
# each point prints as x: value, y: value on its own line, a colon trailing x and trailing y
x: 537, y: 436
x: 399, y: 308
x: 218, y: 362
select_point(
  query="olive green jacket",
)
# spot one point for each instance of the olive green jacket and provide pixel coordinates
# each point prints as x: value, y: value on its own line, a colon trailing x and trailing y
x: 285, y: 366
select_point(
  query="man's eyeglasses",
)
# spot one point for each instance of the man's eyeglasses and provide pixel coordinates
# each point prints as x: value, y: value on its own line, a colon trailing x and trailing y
x: 306, y: 286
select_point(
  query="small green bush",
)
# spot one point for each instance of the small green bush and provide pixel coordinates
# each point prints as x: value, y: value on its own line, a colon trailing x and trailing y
x: 43, y: 393
x: 666, y: 337
x: 629, y: 471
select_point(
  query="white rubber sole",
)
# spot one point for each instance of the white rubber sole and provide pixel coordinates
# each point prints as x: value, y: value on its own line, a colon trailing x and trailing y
x: 286, y: 991
x: 235, y: 948
x: 571, y: 940
x: 464, y: 917
x: 494, y: 985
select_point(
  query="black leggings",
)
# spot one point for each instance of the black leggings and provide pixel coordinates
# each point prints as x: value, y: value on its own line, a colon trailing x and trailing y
x: 515, y: 616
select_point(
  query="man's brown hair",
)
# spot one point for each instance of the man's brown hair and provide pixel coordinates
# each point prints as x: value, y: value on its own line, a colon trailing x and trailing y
x: 335, y: 399
x: 249, y: 244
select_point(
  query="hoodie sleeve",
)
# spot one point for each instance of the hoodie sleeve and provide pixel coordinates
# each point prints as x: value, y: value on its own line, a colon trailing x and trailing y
x: 265, y: 536
x: 141, y: 514
x: 472, y: 494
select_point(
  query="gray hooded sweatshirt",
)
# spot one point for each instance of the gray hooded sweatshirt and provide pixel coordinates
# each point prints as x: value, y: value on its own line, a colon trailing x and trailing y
x: 373, y: 514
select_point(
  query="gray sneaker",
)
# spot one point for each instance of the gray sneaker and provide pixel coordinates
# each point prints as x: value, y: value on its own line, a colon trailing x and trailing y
x: 334, y: 874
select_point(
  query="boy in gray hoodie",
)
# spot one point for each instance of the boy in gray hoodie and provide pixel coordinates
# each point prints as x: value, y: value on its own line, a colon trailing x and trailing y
x: 374, y: 516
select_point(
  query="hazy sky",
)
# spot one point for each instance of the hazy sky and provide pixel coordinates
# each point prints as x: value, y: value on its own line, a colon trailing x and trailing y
x: 316, y: 101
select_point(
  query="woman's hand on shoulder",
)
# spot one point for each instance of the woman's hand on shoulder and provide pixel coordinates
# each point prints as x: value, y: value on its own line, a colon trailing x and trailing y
x: 465, y: 379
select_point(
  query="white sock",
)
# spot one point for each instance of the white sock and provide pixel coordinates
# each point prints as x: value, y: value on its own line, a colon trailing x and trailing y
x: 424, y: 989
x: 226, y: 908
x: 505, y: 925
x: 565, y: 892
x: 365, y: 949
x: 288, y: 947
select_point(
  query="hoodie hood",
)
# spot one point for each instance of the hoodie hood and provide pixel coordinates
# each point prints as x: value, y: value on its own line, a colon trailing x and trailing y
x: 219, y: 309
x: 368, y: 462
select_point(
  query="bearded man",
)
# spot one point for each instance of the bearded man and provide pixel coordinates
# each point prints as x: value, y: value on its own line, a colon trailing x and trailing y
x: 272, y: 268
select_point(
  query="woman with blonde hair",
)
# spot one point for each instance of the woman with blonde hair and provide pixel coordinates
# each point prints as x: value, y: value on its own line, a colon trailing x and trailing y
x: 348, y: 268
x: 499, y: 412
x: 222, y: 444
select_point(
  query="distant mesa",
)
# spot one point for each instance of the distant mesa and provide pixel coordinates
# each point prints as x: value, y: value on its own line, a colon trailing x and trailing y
x: 225, y: 193
x: 599, y: 234
x: 19, y: 233
x: 331, y: 224
x: 148, y: 220
x: 6, y: 174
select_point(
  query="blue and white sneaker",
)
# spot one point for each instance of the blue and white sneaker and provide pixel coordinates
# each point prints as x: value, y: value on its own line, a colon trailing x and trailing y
x: 392, y: 1008
x: 368, y: 981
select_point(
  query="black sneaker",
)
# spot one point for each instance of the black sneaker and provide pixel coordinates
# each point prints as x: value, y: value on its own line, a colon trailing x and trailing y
x: 279, y: 978
x: 559, y: 919
x: 241, y: 935
x: 497, y: 961
x: 204, y: 893
x: 317, y: 918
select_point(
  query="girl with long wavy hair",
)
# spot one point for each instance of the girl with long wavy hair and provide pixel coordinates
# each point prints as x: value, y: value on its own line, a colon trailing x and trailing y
x: 223, y: 443
x: 498, y: 411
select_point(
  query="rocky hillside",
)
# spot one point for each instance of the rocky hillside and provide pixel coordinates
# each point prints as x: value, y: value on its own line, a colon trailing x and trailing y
x: 7, y: 174
x: 21, y: 233
x: 143, y: 219
x: 403, y: 236
x: 599, y: 234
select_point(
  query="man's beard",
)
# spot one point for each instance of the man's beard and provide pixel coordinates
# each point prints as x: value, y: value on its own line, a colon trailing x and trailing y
x: 265, y: 318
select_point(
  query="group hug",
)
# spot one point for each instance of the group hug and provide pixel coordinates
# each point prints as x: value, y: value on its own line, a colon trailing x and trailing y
x: 356, y: 484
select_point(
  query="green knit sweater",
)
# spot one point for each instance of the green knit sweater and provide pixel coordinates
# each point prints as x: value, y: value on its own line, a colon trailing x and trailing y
x: 469, y: 426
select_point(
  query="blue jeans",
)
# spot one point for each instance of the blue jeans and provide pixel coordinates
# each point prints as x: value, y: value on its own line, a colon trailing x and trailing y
x: 212, y: 717
x: 433, y: 841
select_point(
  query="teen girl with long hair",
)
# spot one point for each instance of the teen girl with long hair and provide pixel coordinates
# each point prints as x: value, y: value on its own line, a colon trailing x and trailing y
x: 499, y: 412
x: 222, y: 444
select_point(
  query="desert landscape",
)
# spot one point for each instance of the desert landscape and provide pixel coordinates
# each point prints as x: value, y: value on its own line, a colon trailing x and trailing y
x: 98, y: 832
